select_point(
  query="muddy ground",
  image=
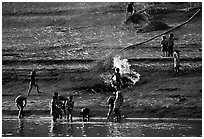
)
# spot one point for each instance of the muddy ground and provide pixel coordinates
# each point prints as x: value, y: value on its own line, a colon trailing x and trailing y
x: 65, y: 46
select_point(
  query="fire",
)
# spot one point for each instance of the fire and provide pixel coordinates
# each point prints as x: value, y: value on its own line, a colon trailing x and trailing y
x: 125, y: 70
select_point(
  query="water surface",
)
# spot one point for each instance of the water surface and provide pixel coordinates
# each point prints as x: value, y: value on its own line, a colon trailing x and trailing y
x: 44, y: 127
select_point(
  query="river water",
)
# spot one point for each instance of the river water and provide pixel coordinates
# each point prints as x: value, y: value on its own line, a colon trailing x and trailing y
x: 100, y: 127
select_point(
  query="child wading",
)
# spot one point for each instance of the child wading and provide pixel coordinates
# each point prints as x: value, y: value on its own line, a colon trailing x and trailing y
x: 117, y: 104
x: 63, y: 99
x: 21, y: 103
x: 69, y: 107
x: 32, y: 82
x: 110, y: 102
x: 85, y: 114
x: 56, y: 107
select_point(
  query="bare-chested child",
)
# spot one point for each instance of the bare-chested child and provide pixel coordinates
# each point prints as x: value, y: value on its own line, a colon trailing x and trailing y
x: 170, y: 45
x: 32, y: 82
x: 130, y: 9
x: 21, y: 102
x: 176, y: 62
x: 118, y: 82
x: 56, y: 107
x: 63, y: 100
x: 164, y: 46
x: 85, y: 114
x: 69, y: 108
x: 110, y: 102
x: 117, y: 104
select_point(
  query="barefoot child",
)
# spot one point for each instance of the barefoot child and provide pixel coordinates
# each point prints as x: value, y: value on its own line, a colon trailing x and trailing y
x: 56, y: 107
x: 176, y: 62
x: 117, y: 104
x: 69, y: 107
x: 118, y: 82
x: 32, y: 82
x: 164, y: 45
x: 63, y: 99
x: 130, y: 9
x: 110, y: 102
x: 85, y: 114
x: 21, y: 103
x: 170, y: 45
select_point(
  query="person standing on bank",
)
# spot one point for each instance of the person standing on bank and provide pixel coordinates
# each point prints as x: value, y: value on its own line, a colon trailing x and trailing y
x: 176, y: 62
x: 130, y: 9
x: 164, y: 46
x: 116, y: 80
x: 32, y: 82
x: 170, y: 45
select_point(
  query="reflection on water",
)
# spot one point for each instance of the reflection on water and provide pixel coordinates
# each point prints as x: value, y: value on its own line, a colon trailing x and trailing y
x: 77, y: 129
x: 125, y: 129
x: 44, y: 127
x: 20, y: 129
x: 57, y: 129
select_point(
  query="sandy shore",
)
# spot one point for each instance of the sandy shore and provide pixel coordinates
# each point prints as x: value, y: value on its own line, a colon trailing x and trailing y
x: 62, y: 43
x: 158, y: 93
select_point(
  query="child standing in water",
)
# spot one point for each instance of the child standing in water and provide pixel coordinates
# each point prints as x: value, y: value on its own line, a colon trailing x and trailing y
x: 117, y: 104
x: 69, y: 107
x: 110, y: 102
x: 63, y: 99
x: 85, y: 114
x: 21, y: 103
x: 56, y: 107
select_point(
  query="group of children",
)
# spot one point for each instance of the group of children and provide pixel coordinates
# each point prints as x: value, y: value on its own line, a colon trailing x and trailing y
x: 167, y: 47
x: 115, y: 102
x: 21, y: 100
x: 59, y: 103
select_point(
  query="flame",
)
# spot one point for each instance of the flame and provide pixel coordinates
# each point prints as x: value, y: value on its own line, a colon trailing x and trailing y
x: 125, y: 70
